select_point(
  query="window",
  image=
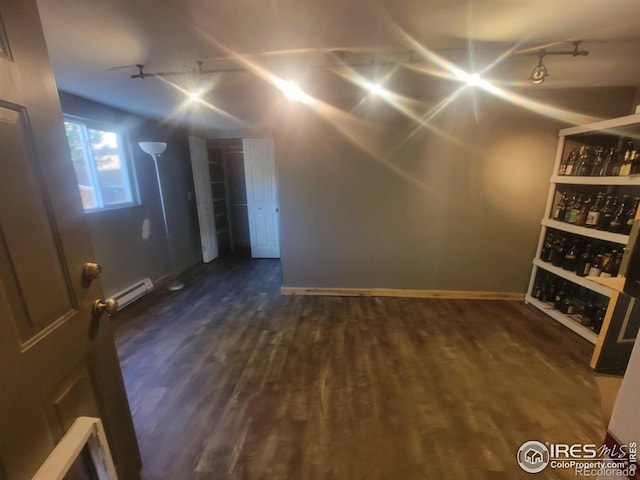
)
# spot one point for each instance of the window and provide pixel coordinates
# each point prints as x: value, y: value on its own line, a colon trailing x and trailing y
x: 102, y: 170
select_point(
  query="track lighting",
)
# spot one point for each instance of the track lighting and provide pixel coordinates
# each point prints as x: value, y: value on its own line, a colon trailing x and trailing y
x: 539, y: 72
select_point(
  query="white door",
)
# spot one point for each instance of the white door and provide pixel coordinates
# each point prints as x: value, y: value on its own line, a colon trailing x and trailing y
x: 262, y: 197
x: 202, y: 184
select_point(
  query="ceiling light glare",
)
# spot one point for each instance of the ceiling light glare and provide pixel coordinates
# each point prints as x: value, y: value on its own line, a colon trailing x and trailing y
x: 293, y: 91
x: 375, y: 89
x: 193, y: 96
x: 473, y: 80
x: 538, y: 74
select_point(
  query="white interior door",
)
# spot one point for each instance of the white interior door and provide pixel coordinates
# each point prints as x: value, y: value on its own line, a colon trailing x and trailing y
x: 262, y: 197
x: 202, y: 184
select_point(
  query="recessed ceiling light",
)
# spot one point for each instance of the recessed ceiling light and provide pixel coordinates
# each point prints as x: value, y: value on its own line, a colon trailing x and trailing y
x: 375, y: 89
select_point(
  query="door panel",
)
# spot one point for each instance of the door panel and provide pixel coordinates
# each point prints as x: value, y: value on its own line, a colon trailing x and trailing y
x: 262, y: 197
x: 56, y: 361
x: 43, y: 299
x: 204, y: 199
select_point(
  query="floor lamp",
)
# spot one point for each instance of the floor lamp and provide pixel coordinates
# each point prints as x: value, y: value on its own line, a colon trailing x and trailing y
x: 155, y: 149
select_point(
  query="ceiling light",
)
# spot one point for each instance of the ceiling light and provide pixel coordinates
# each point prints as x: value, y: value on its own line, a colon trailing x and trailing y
x: 375, y: 89
x: 193, y: 96
x: 473, y: 80
x: 292, y: 91
x: 539, y: 72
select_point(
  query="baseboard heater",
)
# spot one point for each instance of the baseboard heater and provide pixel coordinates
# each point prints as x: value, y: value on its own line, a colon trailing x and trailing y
x: 133, y: 292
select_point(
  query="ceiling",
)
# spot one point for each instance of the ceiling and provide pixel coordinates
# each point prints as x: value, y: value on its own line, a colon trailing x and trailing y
x: 94, y: 47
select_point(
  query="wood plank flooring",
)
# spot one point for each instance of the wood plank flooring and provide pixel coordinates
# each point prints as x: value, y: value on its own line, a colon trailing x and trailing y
x: 227, y: 379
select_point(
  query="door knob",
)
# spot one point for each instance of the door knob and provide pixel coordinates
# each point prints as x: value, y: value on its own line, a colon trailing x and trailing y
x: 109, y: 306
x: 90, y: 272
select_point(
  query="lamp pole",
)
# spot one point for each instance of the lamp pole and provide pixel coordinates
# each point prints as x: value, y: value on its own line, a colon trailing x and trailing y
x: 154, y: 149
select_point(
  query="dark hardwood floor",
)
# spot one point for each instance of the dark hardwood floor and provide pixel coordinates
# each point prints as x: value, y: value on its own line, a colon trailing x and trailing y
x: 227, y: 379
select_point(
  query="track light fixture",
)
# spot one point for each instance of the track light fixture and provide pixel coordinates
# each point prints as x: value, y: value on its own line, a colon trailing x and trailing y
x: 539, y: 72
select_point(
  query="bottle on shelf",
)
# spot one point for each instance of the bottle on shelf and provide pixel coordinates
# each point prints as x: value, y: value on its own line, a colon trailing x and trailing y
x: 594, y: 211
x: 583, y: 262
x: 583, y: 165
x: 611, y: 265
x: 560, y: 209
x: 606, y: 213
x: 631, y: 215
x: 596, y: 265
x: 620, y: 216
x: 570, y: 257
x: 635, y: 162
x: 609, y: 163
x: 571, y: 162
x: 625, y: 168
x: 584, y: 211
x: 574, y: 210
x: 597, y: 170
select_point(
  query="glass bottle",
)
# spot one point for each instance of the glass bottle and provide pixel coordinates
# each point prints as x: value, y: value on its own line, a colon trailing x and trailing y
x: 560, y: 209
x: 570, y: 257
x: 571, y: 162
x: 631, y: 215
x: 609, y: 162
x: 594, y: 211
x: 620, y: 215
x: 583, y: 263
x: 574, y: 210
x: 598, y: 163
x: 625, y: 168
x: 635, y: 162
x: 562, y: 169
x: 606, y: 213
x: 609, y: 266
x: 584, y: 211
x: 583, y: 165
x: 559, y: 249
x: 596, y: 266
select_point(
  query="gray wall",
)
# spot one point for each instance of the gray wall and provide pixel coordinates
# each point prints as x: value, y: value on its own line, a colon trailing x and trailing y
x: 363, y: 204
x: 119, y: 244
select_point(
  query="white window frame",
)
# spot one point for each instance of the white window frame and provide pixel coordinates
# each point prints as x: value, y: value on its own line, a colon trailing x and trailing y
x: 125, y: 157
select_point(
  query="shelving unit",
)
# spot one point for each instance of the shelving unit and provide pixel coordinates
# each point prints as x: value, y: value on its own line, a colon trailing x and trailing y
x: 608, y: 133
x: 219, y: 195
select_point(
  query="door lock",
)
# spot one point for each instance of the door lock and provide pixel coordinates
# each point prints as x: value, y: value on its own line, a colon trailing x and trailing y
x: 109, y: 307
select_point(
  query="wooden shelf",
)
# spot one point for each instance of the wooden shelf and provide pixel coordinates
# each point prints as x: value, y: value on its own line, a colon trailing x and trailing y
x: 601, y: 126
x: 586, y: 232
x: 567, y: 320
x: 613, y: 283
x: 604, y: 181
x: 586, y: 282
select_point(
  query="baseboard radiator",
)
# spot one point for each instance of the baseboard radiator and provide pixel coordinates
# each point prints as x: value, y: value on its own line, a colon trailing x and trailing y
x: 133, y: 292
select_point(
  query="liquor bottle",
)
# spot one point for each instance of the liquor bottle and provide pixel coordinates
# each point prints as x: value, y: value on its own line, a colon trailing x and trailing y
x: 625, y: 168
x: 560, y: 296
x: 606, y: 213
x: 609, y: 265
x: 583, y: 263
x: 620, y: 215
x: 596, y: 266
x: 594, y: 211
x: 559, y: 250
x: 584, y: 211
x: 635, y: 162
x: 570, y: 257
x: 609, y: 162
x: 583, y: 165
x: 599, y: 319
x: 562, y: 169
x: 536, y: 292
x: 631, y: 215
x: 560, y: 209
x: 574, y: 210
x: 571, y: 162
x: 590, y: 309
x: 598, y: 163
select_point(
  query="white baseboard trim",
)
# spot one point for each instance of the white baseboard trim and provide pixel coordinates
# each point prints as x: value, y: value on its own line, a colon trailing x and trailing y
x: 403, y: 293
